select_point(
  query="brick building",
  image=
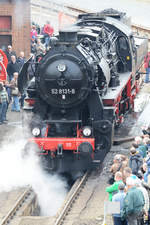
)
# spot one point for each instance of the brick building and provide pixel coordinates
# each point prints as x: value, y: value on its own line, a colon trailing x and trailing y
x: 15, y: 25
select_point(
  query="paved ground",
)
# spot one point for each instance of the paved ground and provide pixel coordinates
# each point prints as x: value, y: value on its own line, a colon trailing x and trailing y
x: 14, y: 122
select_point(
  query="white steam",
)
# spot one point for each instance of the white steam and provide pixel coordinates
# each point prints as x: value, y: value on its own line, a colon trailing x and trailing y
x: 18, y: 171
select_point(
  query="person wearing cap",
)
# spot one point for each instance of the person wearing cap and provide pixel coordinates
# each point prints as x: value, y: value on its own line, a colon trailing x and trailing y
x: 133, y: 203
x: 9, y: 52
x: 113, y: 189
x: 119, y: 197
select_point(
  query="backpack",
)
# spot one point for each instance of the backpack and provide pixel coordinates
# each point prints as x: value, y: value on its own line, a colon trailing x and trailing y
x: 136, y: 164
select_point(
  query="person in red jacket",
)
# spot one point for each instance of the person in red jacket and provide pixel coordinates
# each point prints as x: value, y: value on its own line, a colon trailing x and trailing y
x: 48, y: 32
x: 147, y: 66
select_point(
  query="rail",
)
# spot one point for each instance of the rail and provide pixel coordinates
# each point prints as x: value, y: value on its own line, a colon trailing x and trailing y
x: 16, y: 207
x: 71, y: 199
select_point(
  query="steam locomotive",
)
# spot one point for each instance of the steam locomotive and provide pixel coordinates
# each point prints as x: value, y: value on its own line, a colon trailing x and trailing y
x: 82, y: 88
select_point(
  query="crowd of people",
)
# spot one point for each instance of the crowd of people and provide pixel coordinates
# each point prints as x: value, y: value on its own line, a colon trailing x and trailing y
x: 9, y: 93
x: 129, y: 183
x: 41, y: 45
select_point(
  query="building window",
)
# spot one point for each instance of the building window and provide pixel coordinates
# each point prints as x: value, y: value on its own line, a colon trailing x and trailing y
x: 5, y: 40
x: 5, y: 23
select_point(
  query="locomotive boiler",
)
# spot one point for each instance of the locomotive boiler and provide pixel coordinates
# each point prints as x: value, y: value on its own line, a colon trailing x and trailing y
x: 82, y: 88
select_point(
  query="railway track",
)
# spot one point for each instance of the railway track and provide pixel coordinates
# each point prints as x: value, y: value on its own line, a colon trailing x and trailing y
x: 88, y: 189
x: 16, y: 206
x: 85, y: 203
x: 61, y: 218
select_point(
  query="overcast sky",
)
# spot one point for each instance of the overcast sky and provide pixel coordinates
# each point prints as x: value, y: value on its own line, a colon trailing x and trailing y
x: 139, y: 9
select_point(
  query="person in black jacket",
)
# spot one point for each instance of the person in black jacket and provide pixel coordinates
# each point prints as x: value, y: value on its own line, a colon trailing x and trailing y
x: 12, y: 67
x: 21, y: 59
x: 135, y: 161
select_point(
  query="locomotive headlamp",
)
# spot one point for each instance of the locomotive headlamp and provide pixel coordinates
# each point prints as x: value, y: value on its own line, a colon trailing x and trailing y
x: 87, y: 131
x: 36, y: 131
x: 61, y: 67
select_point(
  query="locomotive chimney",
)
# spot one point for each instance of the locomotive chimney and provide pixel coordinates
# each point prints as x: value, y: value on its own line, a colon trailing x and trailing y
x: 68, y: 35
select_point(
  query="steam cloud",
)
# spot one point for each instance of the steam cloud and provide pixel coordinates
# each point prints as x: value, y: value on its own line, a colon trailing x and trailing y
x: 17, y: 171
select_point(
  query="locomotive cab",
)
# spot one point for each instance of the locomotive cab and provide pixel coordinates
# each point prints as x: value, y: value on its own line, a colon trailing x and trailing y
x: 124, y: 54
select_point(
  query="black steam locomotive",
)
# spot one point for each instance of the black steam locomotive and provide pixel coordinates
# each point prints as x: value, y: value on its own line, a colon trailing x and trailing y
x: 82, y: 87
